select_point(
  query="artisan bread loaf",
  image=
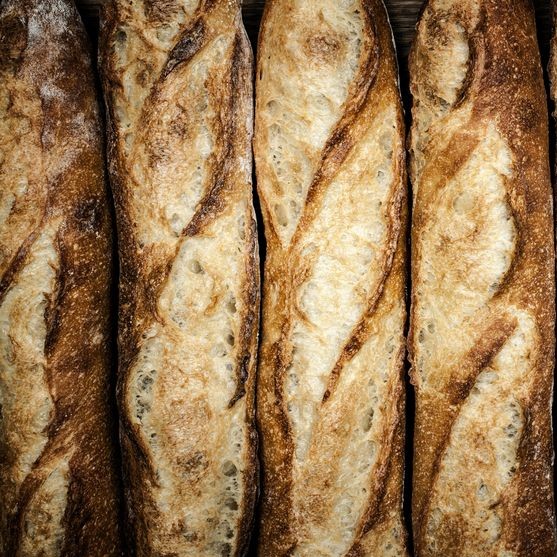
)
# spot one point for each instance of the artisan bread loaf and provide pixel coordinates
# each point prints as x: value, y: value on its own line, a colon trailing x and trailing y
x: 177, y: 80
x: 58, y: 481
x: 483, y: 315
x: 329, y: 148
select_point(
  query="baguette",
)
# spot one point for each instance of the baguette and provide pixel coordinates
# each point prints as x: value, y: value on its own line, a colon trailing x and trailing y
x: 177, y: 80
x: 59, y: 490
x: 329, y: 150
x: 482, y: 318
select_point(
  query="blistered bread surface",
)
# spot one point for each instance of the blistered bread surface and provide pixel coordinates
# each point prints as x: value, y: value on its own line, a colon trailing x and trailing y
x: 59, y: 493
x: 177, y: 78
x: 482, y: 319
x: 329, y: 149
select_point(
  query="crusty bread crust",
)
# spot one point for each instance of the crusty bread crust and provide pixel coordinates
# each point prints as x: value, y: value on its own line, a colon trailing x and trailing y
x: 483, y: 315
x: 329, y: 148
x: 552, y: 66
x: 58, y: 480
x: 177, y: 78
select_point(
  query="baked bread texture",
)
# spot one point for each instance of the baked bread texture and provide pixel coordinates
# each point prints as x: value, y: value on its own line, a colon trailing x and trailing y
x: 58, y: 480
x: 329, y: 149
x: 552, y: 67
x: 483, y: 315
x: 177, y: 78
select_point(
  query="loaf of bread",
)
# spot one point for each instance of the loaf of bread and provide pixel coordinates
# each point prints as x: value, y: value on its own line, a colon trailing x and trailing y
x: 177, y: 77
x: 483, y: 315
x: 58, y: 475
x: 329, y: 148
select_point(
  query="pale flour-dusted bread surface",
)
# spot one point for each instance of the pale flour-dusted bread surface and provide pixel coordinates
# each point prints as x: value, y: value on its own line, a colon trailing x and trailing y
x: 482, y: 318
x: 58, y: 482
x: 177, y: 78
x: 329, y: 148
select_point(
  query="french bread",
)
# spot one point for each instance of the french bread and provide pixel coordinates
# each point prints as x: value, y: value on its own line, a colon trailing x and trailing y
x: 329, y: 151
x: 483, y: 315
x: 177, y: 80
x: 59, y: 490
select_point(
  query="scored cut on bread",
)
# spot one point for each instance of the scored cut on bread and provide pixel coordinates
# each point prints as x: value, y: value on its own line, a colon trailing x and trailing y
x: 329, y: 150
x: 483, y: 294
x: 177, y: 79
x: 59, y: 490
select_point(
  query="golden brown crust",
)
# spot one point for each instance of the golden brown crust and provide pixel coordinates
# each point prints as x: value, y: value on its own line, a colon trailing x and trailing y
x: 177, y: 78
x: 482, y: 265
x: 329, y: 148
x: 552, y: 66
x: 57, y: 467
